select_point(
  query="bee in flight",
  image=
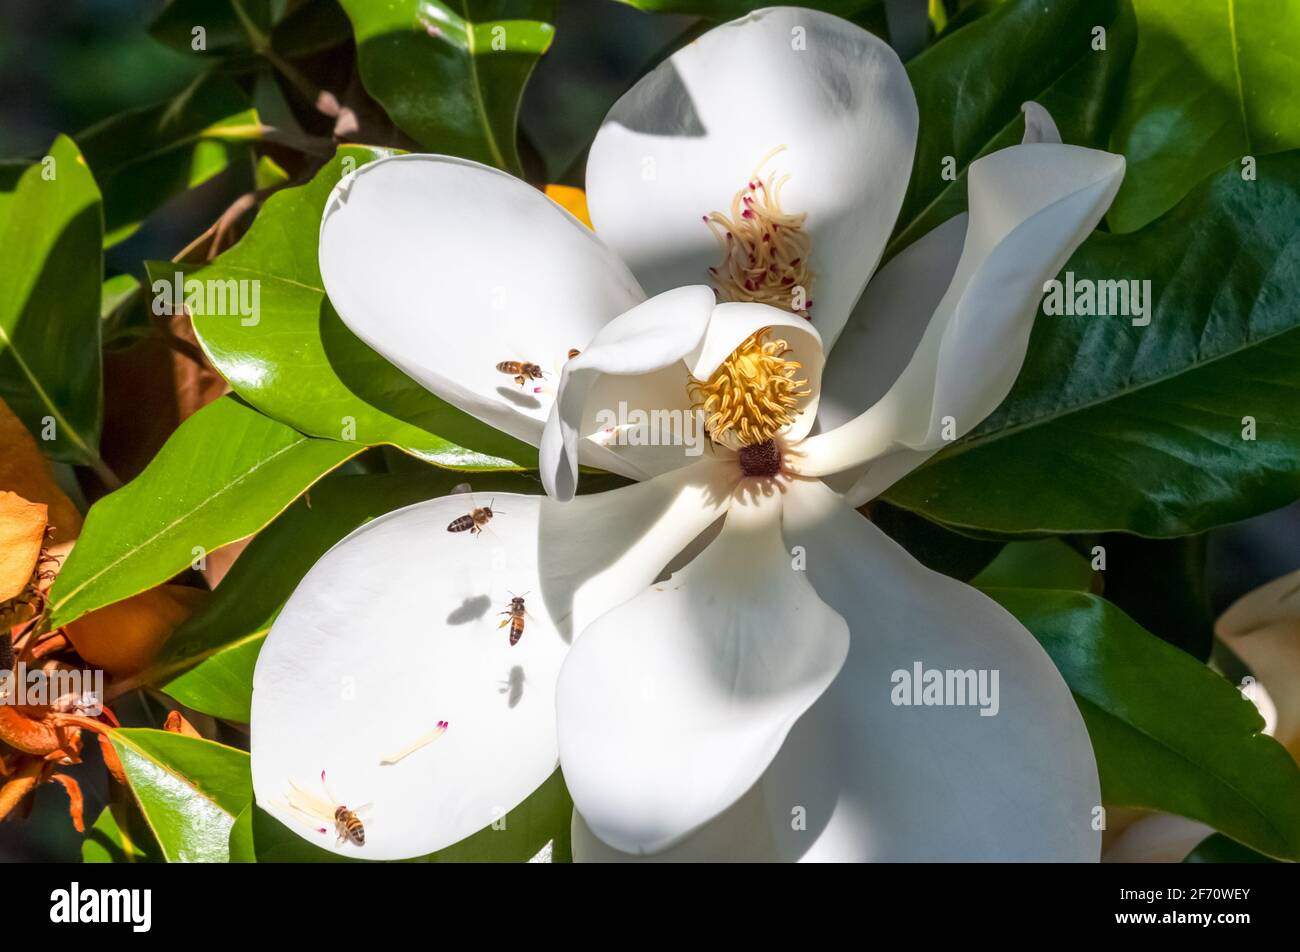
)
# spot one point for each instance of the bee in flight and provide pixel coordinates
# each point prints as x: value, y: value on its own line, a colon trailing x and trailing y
x: 516, y: 611
x: 521, y: 370
x: 347, y: 823
x: 475, y: 519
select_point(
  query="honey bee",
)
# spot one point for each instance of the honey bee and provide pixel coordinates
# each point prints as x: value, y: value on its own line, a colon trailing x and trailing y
x: 573, y: 352
x: 521, y: 370
x: 347, y: 823
x: 475, y: 519
x: 516, y: 613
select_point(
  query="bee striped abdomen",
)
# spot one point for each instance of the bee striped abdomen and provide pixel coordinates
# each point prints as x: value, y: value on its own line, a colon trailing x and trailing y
x: 461, y: 523
x: 516, y: 629
x: 349, y: 827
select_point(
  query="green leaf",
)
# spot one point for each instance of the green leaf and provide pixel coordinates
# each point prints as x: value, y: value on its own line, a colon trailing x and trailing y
x: 450, y: 78
x: 546, y: 815
x: 120, y: 835
x: 1169, y: 734
x: 147, y: 156
x: 1044, y: 563
x: 207, y: 664
x: 51, y: 228
x: 190, y: 791
x: 1141, y: 429
x: 1209, y: 86
x: 970, y: 87
x: 1222, y: 849
x: 225, y: 473
x: 300, y: 364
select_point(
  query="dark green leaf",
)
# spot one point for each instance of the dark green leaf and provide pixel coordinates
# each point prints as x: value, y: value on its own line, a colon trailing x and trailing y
x: 451, y: 74
x: 120, y: 835
x: 51, y: 227
x: 970, y: 87
x: 1143, y: 429
x: 300, y: 364
x: 225, y: 473
x: 1221, y: 849
x: 225, y: 24
x: 1044, y: 563
x: 1169, y: 734
x: 145, y: 157
x: 190, y: 791
x: 1210, y: 84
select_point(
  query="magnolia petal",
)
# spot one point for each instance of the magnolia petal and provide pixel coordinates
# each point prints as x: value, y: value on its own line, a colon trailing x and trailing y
x: 396, y: 629
x: 691, y: 133
x: 1030, y: 206
x: 672, y: 705
x: 644, y: 347
x: 740, y: 834
x: 1159, y: 838
x: 885, y: 782
x: 1263, y: 629
x: 447, y: 267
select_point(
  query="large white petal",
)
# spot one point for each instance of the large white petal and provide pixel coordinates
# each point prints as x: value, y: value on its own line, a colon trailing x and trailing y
x: 689, y: 135
x: 1031, y: 205
x: 886, y: 782
x: 672, y: 705
x: 1263, y: 628
x: 396, y: 628
x: 447, y: 267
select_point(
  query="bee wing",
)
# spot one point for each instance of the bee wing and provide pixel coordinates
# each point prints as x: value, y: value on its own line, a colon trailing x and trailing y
x: 461, y: 488
x: 363, y: 810
x: 309, y: 804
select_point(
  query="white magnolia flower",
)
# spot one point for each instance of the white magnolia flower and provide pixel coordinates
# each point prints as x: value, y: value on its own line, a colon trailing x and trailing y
x: 718, y: 642
x: 1263, y: 629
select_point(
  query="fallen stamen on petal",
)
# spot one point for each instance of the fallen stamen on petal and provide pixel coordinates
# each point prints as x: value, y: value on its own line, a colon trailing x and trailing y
x: 764, y: 249
x: 424, y: 741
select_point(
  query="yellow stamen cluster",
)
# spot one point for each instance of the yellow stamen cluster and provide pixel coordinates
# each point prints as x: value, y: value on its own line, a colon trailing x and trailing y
x: 752, y: 395
x: 765, y: 251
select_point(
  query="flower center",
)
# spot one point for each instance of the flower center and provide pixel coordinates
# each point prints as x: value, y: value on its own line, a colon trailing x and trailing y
x: 764, y: 249
x: 762, y: 459
x: 752, y: 395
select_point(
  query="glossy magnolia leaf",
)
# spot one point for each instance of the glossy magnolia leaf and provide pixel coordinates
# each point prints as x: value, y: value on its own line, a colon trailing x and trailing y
x: 1206, y: 89
x: 1222, y: 849
x: 1023, y: 50
x: 1043, y: 563
x: 51, y: 229
x: 208, y: 663
x: 146, y: 156
x: 1166, y: 429
x: 1169, y: 734
x: 120, y: 835
x: 189, y: 789
x: 226, y: 472
x: 544, y: 817
x: 297, y: 362
x: 451, y: 75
